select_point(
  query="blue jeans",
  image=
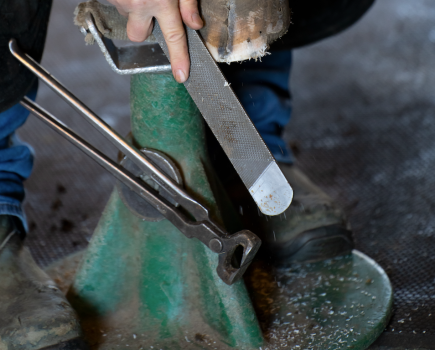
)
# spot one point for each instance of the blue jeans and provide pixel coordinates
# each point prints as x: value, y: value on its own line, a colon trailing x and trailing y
x: 16, y: 161
x: 262, y: 88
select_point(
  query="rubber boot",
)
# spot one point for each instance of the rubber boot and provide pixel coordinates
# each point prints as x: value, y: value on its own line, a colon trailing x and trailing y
x: 34, y: 313
x: 313, y: 228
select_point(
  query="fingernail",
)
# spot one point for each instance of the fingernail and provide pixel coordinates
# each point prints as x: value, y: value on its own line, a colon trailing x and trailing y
x: 180, y: 76
x: 197, y: 19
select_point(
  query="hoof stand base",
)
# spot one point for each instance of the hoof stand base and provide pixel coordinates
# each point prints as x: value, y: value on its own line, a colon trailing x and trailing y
x: 342, y: 303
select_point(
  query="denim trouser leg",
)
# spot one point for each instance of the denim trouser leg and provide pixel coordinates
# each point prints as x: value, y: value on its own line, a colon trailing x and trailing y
x: 263, y: 89
x: 16, y: 161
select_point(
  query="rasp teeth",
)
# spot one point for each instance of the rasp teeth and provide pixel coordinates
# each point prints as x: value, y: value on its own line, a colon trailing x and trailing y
x: 233, y: 128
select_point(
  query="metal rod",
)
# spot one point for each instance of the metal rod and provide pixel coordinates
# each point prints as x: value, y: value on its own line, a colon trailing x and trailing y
x: 204, y: 231
x: 116, y: 170
x: 196, y: 209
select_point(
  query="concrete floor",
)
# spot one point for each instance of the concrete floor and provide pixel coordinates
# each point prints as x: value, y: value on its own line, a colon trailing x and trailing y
x: 362, y: 128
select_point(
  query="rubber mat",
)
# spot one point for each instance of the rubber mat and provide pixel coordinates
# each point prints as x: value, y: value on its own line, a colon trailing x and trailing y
x: 363, y: 129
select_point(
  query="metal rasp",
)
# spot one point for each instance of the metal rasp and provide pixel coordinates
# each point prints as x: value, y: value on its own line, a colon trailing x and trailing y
x: 233, y: 128
x: 218, y: 105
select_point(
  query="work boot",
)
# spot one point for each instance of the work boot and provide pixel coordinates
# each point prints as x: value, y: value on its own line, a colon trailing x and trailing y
x: 34, y: 313
x: 313, y: 228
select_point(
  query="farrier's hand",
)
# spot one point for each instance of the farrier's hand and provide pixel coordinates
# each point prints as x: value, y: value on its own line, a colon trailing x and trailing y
x: 170, y: 14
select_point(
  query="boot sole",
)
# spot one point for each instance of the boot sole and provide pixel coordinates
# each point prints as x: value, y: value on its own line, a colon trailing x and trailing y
x: 73, y: 344
x: 315, y: 245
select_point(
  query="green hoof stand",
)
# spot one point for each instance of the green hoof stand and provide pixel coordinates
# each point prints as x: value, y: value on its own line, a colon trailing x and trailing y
x: 144, y: 285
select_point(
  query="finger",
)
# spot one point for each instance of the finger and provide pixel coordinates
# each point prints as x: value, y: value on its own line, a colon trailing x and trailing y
x: 150, y: 29
x: 175, y: 37
x: 190, y: 14
x: 121, y: 11
x: 138, y: 26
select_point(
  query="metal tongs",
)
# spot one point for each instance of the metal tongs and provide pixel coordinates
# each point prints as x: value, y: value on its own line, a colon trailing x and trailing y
x: 230, y: 266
